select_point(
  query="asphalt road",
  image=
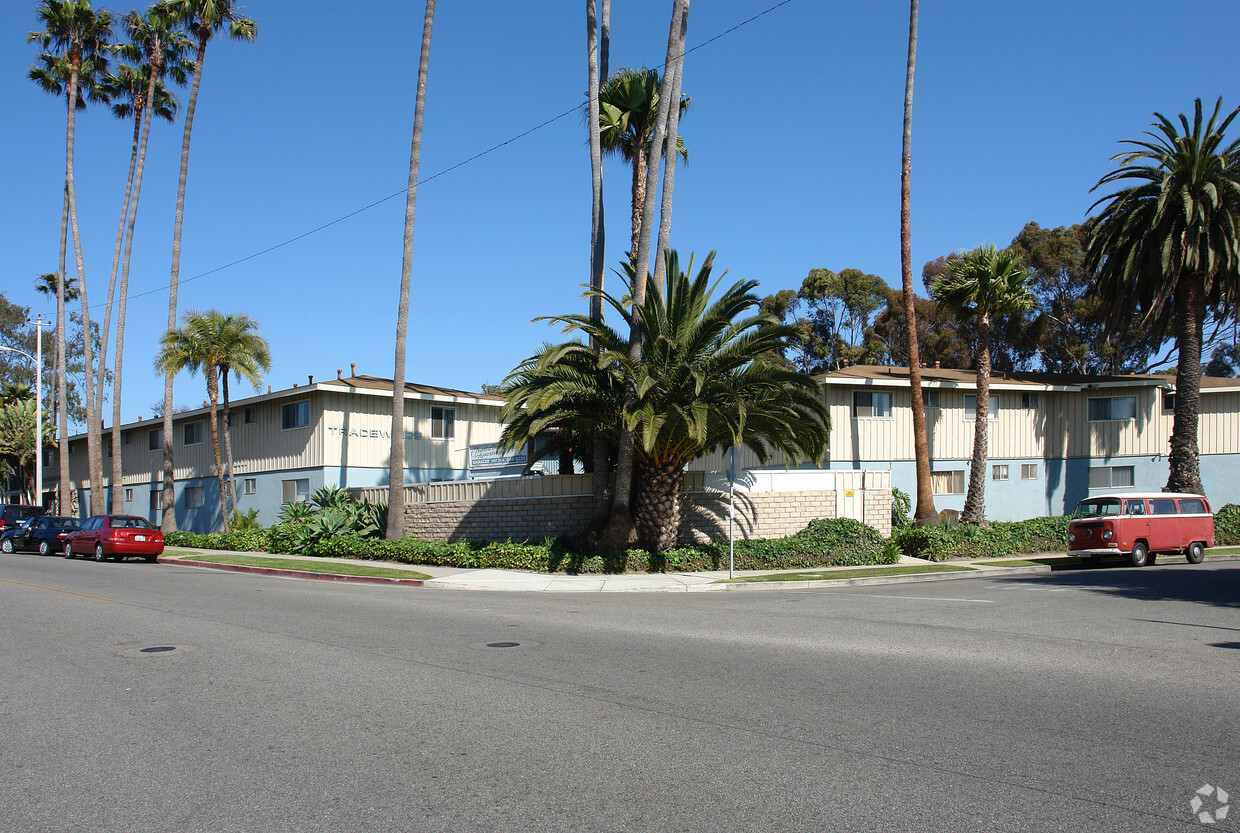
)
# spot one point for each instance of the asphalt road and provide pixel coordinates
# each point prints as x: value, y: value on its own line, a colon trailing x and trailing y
x: 1098, y: 700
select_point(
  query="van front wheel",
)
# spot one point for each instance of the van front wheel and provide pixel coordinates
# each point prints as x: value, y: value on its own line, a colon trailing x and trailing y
x: 1140, y: 555
x: 1196, y: 553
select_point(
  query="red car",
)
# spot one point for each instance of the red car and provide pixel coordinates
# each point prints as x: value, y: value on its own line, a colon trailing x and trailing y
x: 116, y: 537
x: 1141, y: 525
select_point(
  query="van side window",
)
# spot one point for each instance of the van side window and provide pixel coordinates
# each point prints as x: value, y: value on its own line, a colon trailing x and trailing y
x: 1193, y: 506
x: 1162, y: 506
x: 1134, y: 507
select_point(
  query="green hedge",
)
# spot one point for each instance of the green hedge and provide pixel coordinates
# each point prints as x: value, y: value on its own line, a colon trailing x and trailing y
x: 822, y: 543
x: 1227, y: 526
x: 965, y: 540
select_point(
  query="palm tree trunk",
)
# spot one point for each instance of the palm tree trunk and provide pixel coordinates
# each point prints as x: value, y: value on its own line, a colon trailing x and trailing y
x: 117, y: 503
x: 118, y: 472
x: 671, y: 89
x: 228, y: 455
x: 1185, y: 474
x: 94, y: 452
x: 168, y: 519
x: 620, y: 526
x: 597, y: 63
x: 657, y: 505
x: 64, y: 500
x: 213, y: 394
x: 975, y: 500
x: 925, y: 512
x: 396, y: 457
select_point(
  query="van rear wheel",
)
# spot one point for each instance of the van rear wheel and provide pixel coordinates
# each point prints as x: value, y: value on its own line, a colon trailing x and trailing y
x: 1140, y: 555
x: 1196, y: 553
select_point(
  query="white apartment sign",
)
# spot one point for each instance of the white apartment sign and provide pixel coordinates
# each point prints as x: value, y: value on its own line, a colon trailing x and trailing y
x: 488, y: 456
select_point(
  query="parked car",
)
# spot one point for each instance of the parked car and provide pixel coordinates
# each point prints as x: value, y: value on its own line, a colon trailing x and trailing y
x: 11, y: 514
x: 43, y: 533
x: 116, y: 537
x: 1140, y: 526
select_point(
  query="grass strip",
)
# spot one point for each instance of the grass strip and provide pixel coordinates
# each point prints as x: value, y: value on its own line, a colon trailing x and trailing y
x: 329, y: 567
x: 866, y: 572
x: 1019, y: 563
x: 1223, y: 551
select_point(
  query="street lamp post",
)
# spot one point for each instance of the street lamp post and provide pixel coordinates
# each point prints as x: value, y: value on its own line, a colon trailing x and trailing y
x: 39, y: 324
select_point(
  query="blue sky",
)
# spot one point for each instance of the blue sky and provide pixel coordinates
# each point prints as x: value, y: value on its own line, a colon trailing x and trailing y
x: 794, y: 137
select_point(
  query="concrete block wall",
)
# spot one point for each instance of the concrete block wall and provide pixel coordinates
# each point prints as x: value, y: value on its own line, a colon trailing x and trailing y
x: 515, y: 519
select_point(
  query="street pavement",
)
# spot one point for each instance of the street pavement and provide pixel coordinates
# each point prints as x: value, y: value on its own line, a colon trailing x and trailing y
x: 1099, y: 700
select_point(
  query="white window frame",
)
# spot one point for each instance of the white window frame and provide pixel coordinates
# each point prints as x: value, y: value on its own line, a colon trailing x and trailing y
x: 129, y: 494
x: 293, y: 491
x: 1110, y: 409
x: 957, y: 484
x: 299, y: 410
x: 155, y: 439
x: 156, y: 498
x: 1028, y: 471
x: 250, y: 416
x: 1098, y: 473
x: 195, y: 497
x: 1028, y: 401
x: 930, y: 397
x: 970, y: 407
x: 875, y: 397
x: 999, y: 471
x: 446, y: 423
x: 251, y: 485
x: 1168, y: 402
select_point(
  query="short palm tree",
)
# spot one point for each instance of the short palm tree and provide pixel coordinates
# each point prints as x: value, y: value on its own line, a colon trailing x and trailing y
x: 703, y: 383
x: 980, y: 288
x: 212, y: 342
x: 75, y: 41
x: 242, y: 351
x: 202, y: 19
x: 628, y: 108
x: 1166, y: 251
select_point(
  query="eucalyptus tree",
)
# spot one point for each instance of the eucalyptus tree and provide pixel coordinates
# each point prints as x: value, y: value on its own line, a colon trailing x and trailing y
x: 396, y: 457
x: 704, y: 381
x: 76, y: 36
x: 981, y: 288
x: 924, y: 512
x: 1166, y: 251
x: 202, y: 20
x: 156, y: 41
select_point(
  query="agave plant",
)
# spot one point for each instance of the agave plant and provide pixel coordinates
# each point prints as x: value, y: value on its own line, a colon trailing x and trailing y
x: 331, y: 497
x: 295, y: 513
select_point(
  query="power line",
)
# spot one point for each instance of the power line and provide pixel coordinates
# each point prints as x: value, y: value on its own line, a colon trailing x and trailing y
x: 438, y: 174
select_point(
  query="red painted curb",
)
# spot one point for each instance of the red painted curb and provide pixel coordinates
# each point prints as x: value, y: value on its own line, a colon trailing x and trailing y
x: 275, y: 571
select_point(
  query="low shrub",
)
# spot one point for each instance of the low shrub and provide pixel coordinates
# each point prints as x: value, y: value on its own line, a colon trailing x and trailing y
x: 1227, y: 526
x: 968, y: 540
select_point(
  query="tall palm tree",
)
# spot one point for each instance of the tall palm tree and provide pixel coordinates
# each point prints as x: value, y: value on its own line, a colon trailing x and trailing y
x: 202, y: 19
x: 241, y: 350
x: 155, y: 40
x: 197, y: 346
x: 925, y: 512
x: 1166, y: 251
x: 396, y: 458
x: 704, y: 379
x: 80, y: 35
x: 598, y: 34
x: 981, y: 288
x: 628, y: 111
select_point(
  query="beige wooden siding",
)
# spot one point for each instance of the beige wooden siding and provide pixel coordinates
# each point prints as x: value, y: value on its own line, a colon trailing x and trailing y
x: 1219, y: 431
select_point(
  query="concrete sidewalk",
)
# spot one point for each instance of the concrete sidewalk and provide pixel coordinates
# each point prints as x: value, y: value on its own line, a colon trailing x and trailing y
x: 493, y: 579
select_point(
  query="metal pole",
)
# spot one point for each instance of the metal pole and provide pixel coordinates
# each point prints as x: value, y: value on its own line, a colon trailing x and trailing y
x: 38, y: 411
x: 731, y: 511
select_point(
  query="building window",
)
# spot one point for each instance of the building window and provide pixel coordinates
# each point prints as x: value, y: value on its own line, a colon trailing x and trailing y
x: 296, y: 491
x: 192, y: 433
x: 126, y: 437
x: 930, y: 398
x: 871, y: 404
x: 250, y: 416
x: 231, y: 420
x: 193, y: 497
x: 129, y: 495
x: 999, y: 472
x: 295, y: 415
x: 947, y: 482
x: 970, y: 407
x: 1028, y: 401
x: 155, y: 439
x: 443, y: 423
x: 108, y: 449
x: 1168, y: 401
x: 1111, y: 477
x: 156, y: 499
x: 251, y: 485
x: 1111, y: 408
x: 1028, y: 471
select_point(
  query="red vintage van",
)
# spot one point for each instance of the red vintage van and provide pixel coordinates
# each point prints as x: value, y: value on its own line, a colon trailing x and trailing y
x: 1141, y: 525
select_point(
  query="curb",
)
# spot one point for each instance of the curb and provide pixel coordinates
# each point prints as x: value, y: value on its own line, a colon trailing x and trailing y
x: 275, y: 571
